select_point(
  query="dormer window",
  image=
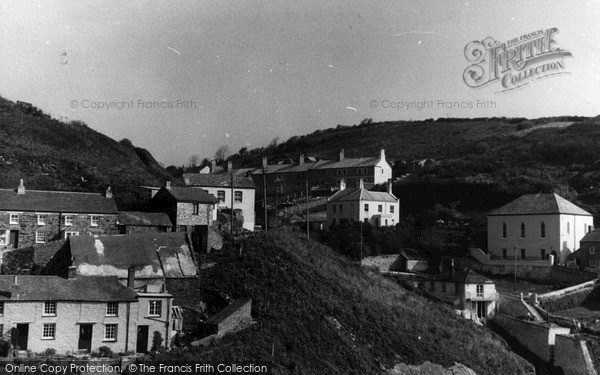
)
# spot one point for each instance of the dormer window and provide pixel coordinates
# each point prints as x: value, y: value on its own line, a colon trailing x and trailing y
x: 94, y: 220
x: 14, y: 219
x: 68, y: 220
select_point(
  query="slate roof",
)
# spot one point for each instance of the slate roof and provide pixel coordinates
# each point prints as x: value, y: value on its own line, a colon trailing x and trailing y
x: 217, y: 180
x: 412, y: 254
x: 154, y: 255
x: 56, y: 201
x: 191, y: 195
x: 593, y: 236
x: 347, y: 163
x: 355, y: 194
x: 539, y: 204
x: 227, y: 311
x: 150, y: 219
x: 465, y: 276
x: 54, y: 288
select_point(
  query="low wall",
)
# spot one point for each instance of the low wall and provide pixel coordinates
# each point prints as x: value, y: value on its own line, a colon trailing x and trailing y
x: 538, y: 338
x: 570, y: 289
x: 572, y: 356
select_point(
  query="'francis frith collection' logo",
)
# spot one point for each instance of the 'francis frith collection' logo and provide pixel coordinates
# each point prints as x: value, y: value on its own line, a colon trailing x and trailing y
x: 515, y: 63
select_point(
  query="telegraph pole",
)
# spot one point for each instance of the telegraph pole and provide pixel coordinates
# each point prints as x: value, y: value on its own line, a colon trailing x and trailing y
x: 231, y: 227
x: 264, y: 171
x: 515, y: 283
x: 307, y: 212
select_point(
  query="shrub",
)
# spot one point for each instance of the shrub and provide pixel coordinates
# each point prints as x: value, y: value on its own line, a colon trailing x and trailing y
x: 105, y: 351
x: 156, y: 341
x: 49, y: 352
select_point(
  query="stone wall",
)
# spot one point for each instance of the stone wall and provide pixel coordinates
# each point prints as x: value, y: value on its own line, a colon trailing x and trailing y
x: 538, y: 338
x: 381, y: 262
x: 185, y: 215
x: 572, y: 356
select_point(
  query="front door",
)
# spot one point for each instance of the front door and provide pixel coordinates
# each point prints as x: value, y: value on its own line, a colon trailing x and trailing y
x: 22, y: 336
x: 142, y: 339
x: 14, y: 239
x: 85, y: 337
x: 481, y: 309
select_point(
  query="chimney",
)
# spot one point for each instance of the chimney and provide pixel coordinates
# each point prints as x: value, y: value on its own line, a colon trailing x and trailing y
x: 130, y: 277
x: 72, y: 272
x: 16, y: 280
x: 341, y: 155
x: 381, y: 153
x: 108, y: 193
x: 229, y: 165
x: 452, y: 269
x: 213, y: 166
x: 264, y: 161
x: 21, y: 187
x: 389, y: 186
x: 342, y: 184
x: 361, y: 183
x: 301, y: 159
x: 168, y: 184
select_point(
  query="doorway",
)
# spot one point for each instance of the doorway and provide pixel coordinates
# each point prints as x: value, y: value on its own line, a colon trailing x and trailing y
x: 14, y: 239
x: 142, y: 339
x: 85, y: 337
x: 22, y: 336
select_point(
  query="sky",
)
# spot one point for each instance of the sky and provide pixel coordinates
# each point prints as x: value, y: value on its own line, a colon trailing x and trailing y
x: 182, y: 78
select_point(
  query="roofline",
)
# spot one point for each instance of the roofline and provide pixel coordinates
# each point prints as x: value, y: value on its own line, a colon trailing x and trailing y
x: 70, y: 300
x: 57, y: 191
x: 221, y: 186
x: 548, y: 213
x: 116, y: 212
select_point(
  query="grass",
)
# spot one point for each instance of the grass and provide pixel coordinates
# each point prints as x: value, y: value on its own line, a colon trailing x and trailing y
x: 318, y: 313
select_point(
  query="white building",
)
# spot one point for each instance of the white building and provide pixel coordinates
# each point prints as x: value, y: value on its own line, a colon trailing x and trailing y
x: 219, y: 185
x: 473, y: 295
x: 358, y: 204
x: 536, y: 226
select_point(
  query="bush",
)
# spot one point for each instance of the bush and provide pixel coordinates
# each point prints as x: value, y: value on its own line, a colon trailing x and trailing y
x: 105, y: 351
x: 50, y: 352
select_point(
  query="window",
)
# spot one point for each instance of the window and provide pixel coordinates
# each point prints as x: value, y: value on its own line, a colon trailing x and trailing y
x: 68, y: 220
x: 42, y: 219
x: 522, y: 253
x: 504, y: 230
x: 110, y: 332
x: 1, y: 308
x: 595, y: 262
x: 50, y: 308
x: 40, y: 236
x: 49, y: 331
x: 391, y: 209
x: 543, y: 230
x: 592, y: 250
x: 195, y: 208
x: 14, y: 219
x: 343, y: 172
x: 334, y: 207
x: 112, y: 309
x: 568, y: 227
x: 380, y: 208
x: 154, y: 308
x: 456, y: 288
x: 281, y: 176
x: 543, y: 254
x: 522, y: 230
x: 366, y: 220
x: 366, y: 207
x: 221, y: 195
x: 94, y: 220
x: 504, y: 253
x: 341, y: 208
x: 444, y: 287
x: 432, y: 286
x: 238, y: 197
x: 479, y: 290
x: 70, y: 233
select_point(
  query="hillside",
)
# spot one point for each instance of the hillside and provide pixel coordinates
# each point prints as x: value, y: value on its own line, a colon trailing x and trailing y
x: 319, y: 314
x: 483, y: 163
x: 52, y: 155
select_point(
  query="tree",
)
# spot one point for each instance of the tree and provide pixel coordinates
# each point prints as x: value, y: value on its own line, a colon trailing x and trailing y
x: 222, y: 152
x: 194, y: 160
x: 274, y: 142
x: 243, y: 151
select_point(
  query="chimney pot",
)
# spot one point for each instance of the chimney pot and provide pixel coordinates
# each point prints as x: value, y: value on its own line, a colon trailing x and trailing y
x: 264, y: 161
x: 342, y: 184
x: 301, y: 159
x: 21, y: 187
x: 109, y: 193
x: 229, y: 166
x: 130, y: 277
x: 341, y: 155
x: 168, y: 184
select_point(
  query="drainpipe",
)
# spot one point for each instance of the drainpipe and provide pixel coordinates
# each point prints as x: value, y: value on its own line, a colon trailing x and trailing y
x: 127, y: 328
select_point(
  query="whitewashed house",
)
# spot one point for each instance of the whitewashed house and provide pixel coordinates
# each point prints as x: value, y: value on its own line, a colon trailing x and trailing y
x: 473, y: 295
x: 358, y: 204
x: 535, y: 228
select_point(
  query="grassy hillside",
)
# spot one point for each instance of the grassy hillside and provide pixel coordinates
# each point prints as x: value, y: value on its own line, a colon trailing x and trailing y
x: 319, y: 314
x: 49, y: 154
